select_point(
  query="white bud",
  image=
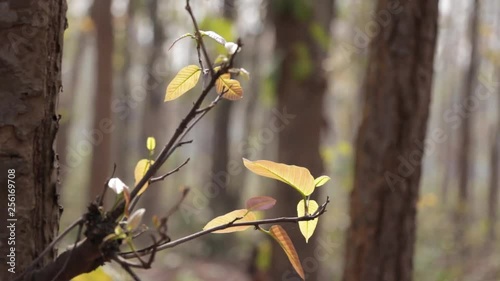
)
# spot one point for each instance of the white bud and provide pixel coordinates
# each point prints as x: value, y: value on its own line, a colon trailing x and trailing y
x: 117, y: 185
x: 231, y: 47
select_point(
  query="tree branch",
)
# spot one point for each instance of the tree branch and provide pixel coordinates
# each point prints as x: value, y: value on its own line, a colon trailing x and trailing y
x: 321, y: 210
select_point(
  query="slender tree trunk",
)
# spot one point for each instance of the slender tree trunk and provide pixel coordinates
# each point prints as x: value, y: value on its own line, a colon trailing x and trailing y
x: 123, y: 137
x: 67, y: 103
x: 389, y: 145
x: 30, y: 81
x: 100, y: 136
x: 493, y: 185
x: 301, y: 87
x: 463, y: 208
x: 152, y: 124
x: 493, y: 188
x: 225, y: 199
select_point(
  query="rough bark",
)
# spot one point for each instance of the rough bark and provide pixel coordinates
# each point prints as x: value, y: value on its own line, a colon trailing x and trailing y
x: 463, y: 208
x: 389, y: 145
x: 301, y: 87
x: 31, y: 36
x: 100, y: 135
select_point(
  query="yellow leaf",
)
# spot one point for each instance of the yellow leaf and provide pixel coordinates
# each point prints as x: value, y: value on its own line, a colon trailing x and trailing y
x: 307, y: 227
x: 231, y: 87
x: 244, y: 214
x: 298, y: 177
x: 319, y: 181
x: 184, y: 81
x: 140, y: 170
x: 98, y: 274
x: 280, y: 235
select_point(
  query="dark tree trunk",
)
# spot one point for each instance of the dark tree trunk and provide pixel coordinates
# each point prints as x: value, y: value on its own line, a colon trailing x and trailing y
x: 389, y: 145
x: 493, y: 185
x: 31, y: 36
x: 301, y: 87
x: 493, y: 188
x: 463, y: 208
x: 100, y: 136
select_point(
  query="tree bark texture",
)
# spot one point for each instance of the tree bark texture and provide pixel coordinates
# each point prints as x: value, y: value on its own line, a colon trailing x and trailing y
x: 31, y: 44
x: 389, y: 146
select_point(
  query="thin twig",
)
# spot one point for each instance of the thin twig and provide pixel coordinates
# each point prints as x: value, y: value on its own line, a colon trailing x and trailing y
x: 127, y: 268
x: 200, y: 39
x: 80, y: 227
x: 152, y: 180
x: 256, y: 223
x: 105, y: 189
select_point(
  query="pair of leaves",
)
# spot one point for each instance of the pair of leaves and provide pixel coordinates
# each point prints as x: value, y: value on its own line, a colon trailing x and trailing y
x: 299, y: 178
x: 188, y: 77
x: 230, y: 87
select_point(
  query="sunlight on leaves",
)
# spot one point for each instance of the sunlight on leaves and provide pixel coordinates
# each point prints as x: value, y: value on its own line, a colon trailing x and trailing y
x: 184, y: 81
x: 280, y: 235
x: 260, y: 203
x: 232, y: 88
x: 298, y: 177
x: 140, y: 170
x: 244, y: 214
x: 307, y: 227
x: 319, y: 181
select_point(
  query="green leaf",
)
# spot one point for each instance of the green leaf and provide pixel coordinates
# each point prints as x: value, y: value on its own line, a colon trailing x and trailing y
x: 298, y: 177
x: 151, y: 143
x: 307, y: 227
x: 319, y: 181
x: 279, y: 234
x: 242, y: 215
x: 184, y: 81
